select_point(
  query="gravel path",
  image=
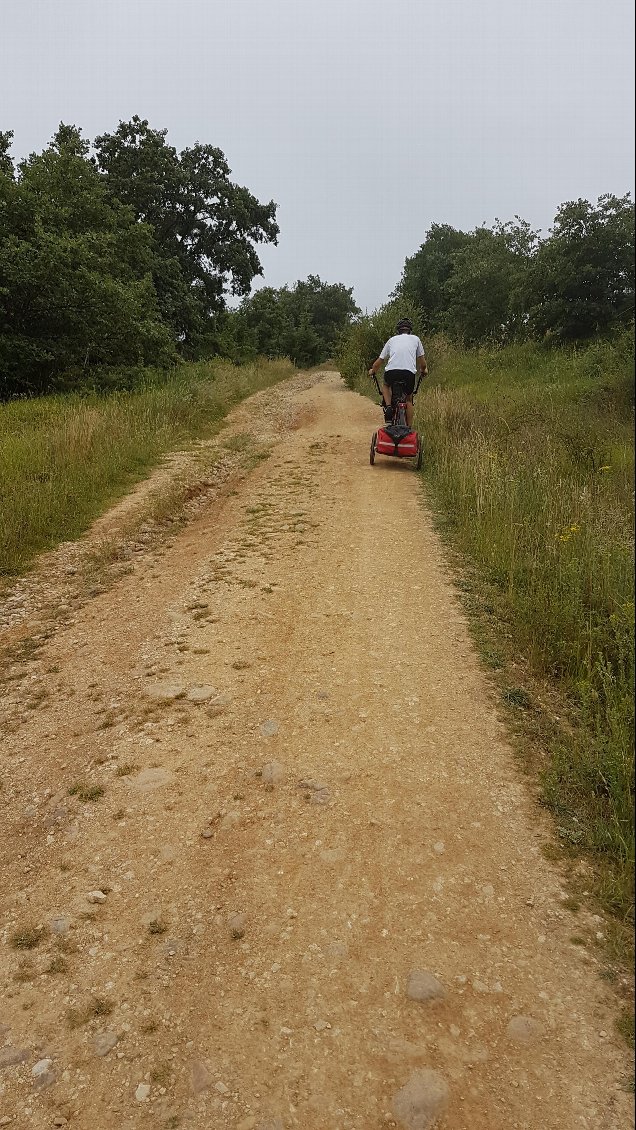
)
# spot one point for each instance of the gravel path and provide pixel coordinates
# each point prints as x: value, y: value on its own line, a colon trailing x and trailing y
x: 312, y: 892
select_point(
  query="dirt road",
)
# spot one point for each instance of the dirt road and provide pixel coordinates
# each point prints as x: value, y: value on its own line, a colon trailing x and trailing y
x: 310, y: 819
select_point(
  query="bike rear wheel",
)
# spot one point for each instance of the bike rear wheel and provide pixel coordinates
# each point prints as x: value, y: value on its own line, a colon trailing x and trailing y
x: 399, y: 400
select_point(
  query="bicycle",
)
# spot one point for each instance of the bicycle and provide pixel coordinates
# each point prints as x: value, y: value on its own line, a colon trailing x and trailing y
x: 396, y: 438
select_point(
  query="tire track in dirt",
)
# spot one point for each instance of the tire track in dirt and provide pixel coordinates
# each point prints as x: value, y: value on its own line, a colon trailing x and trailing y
x: 308, y: 796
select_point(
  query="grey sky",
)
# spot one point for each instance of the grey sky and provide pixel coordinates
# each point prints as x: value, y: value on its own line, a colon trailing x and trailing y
x: 365, y: 121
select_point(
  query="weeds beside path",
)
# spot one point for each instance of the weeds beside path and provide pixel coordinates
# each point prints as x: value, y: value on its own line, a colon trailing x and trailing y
x: 64, y: 459
x: 529, y: 464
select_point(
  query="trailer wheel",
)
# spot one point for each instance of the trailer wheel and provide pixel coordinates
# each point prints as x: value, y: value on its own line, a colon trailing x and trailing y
x: 372, y: 451
x: 420, y: 453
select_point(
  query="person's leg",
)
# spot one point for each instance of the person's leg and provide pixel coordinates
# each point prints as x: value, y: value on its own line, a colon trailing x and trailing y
x: 387, y: 396
x: 410, y: 410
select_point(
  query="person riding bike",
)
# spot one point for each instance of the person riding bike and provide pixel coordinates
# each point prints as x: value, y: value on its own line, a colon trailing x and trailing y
x: 404, y: 355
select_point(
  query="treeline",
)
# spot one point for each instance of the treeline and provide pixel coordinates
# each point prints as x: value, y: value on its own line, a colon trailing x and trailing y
x: 505, y: 283
x: 303, y: 323
x: 123, y: 254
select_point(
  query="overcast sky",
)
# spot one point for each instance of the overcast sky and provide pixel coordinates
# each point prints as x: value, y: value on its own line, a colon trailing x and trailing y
x: 366, y: 121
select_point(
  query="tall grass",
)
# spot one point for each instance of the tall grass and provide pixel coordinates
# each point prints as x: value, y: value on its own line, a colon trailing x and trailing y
x: 64, y: 458
x: 531, y: 456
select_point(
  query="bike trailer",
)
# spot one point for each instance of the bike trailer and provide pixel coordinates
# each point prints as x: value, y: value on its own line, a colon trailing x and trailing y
x: 397, y: 440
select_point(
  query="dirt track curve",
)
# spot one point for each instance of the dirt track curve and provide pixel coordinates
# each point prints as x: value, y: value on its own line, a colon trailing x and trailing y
x: 311, y: 816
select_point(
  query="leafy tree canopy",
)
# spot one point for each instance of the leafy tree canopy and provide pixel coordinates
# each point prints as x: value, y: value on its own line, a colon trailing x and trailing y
x: 75, y: 282
x: 582, y: 282
x: 485, y: 292
x: 504, y: 282
x: 303, y: 323
x: 122, y: 258
x: 427, y: 272
x: 205, y: 227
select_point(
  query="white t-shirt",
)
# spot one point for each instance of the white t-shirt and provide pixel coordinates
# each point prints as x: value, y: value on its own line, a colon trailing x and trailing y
x: 402, y: 351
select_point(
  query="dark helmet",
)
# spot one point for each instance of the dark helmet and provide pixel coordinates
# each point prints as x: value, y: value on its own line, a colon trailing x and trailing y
x: 404, y: 326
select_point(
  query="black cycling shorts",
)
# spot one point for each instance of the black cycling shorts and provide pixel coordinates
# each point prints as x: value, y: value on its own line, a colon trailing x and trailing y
x: 405, y: 376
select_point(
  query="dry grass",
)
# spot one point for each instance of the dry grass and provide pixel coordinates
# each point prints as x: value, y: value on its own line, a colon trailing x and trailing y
x: 86, y: 793
x: 64, y: 459
x: 126, y: 769
x: 27, y: 937
x: 161, y: 1074
x: 25, y: 972
x: 530, y: 462
x: 93, y: 1009
x: 57, y: 964
x: 157, y: 927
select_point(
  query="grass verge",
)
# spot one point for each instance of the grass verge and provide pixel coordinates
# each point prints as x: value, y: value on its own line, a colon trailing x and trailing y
x: 530, y: 460
x: 64, y: 459
x: 529, y: 466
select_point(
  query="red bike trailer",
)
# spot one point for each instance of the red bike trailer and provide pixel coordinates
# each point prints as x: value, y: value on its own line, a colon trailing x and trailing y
x: 396, y: 439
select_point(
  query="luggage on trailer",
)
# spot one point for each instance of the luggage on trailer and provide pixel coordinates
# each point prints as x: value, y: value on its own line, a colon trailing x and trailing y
x: 396, y: 440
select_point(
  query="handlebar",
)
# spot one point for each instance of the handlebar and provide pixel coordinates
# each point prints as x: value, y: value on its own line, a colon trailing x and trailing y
x: 375, y: 380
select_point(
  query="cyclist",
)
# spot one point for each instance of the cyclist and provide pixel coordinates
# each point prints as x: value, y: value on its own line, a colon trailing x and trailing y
x: 404, y: 355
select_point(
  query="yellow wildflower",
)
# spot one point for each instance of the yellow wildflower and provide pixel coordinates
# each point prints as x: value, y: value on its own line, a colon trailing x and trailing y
x: 568, y: 532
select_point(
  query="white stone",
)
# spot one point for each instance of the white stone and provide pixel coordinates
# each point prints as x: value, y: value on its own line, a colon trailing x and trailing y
x: 201, y: 693
x: 165, y: 692
x: 424, y: 987
x: 422, y: 1101
x: 41, y: 1067
x: 149, y: 780
x: 523, y: 1029
x: 273, y: 773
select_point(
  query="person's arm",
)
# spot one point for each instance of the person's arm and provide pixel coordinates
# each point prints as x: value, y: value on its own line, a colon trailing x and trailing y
x: 379, y: 362
x: 421, y: 360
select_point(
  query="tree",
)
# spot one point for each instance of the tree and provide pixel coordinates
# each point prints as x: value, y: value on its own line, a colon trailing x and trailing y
x: 327, y: 307
x: 75, y: 283
x: 205, y: 227
x: 485, y: 294
x: 267, y: 321
x: 582, y: 282
x: 427, y: 272
x: 6, y: 164
x: 303, y: 323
